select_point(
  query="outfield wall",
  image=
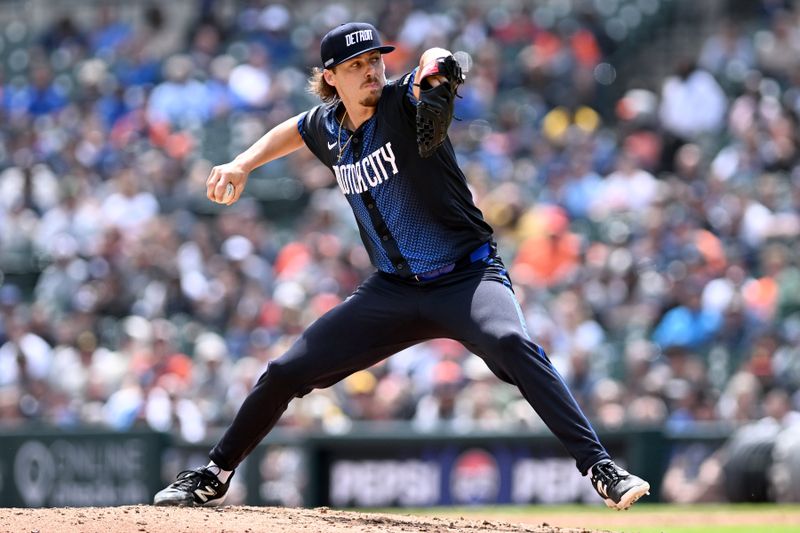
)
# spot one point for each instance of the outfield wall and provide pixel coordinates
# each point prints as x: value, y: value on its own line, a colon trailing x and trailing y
x: 79, y: 469
x: 372, y: 467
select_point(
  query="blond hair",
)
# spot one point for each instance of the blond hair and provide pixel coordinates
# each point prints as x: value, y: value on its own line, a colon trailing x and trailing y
x: 318, y: 86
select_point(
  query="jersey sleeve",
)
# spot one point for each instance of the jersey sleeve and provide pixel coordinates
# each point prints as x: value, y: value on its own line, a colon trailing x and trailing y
x: 401, y: 101
x: 311, y: 126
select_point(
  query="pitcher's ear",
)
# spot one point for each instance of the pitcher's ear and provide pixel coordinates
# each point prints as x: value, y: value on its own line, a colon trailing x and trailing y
x: 329, y: 77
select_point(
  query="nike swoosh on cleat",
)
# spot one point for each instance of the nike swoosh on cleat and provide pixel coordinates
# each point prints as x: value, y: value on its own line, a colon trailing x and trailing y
x: 331, y: 145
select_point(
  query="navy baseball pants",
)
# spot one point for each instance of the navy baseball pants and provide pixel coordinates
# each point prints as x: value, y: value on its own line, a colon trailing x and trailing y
x: 386, y: 314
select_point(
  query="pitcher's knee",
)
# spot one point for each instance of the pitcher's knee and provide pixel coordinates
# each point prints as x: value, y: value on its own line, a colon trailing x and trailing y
x: 515, y: 348
x: 508, y: 347
x: 281, y: 377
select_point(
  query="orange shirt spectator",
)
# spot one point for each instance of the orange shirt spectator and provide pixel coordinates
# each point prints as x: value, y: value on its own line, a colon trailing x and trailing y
x: 550, y: 253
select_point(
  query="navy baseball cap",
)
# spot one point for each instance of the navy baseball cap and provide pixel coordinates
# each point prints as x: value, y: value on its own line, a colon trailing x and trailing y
x: 349, y: 40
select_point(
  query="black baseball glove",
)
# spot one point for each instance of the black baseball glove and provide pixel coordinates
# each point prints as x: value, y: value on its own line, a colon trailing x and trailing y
x: 435, y: 107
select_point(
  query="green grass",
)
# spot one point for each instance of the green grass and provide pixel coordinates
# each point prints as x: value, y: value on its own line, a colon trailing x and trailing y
x: 711, y: 529
x: 641, y: 507
x: 763, y: 518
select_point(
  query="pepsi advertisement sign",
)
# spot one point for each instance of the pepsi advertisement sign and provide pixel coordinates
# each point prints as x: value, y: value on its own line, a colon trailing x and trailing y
x: 454, y: 475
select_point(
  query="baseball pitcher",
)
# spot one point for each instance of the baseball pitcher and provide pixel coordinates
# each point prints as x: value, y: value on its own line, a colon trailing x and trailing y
x: 437, y: 270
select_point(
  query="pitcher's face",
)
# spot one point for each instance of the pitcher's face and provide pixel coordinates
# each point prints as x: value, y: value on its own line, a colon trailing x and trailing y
x: 361, y: 78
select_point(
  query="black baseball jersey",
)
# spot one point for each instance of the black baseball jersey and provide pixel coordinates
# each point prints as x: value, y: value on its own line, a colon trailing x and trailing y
x: 415, y: 214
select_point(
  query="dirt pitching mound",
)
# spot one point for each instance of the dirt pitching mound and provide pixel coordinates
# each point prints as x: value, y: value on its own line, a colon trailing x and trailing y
x: 147, y: 519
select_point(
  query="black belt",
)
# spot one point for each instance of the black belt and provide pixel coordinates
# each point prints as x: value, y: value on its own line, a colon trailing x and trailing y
x: 482, y: 252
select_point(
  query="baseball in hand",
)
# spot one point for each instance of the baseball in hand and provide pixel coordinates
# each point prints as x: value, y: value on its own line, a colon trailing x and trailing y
x: 229, y: 190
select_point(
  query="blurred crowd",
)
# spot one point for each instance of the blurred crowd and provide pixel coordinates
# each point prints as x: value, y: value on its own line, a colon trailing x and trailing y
x: 652, y: 239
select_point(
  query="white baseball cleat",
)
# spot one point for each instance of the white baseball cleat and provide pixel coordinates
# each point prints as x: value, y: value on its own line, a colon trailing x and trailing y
x: 619, y: 488
x: 194, y: 488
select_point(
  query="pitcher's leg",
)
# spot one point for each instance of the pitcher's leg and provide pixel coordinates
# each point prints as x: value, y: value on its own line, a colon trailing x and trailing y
x: 495, y: 329
x: 374, y: 323
x: 487, y: 319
